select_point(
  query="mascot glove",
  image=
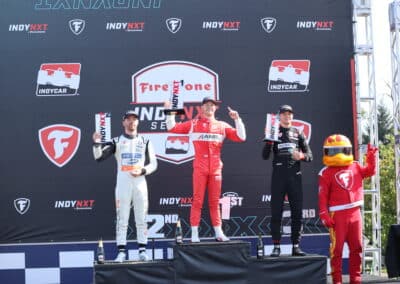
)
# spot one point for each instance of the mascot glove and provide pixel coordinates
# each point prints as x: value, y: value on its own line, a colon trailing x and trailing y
x: 327, y: 220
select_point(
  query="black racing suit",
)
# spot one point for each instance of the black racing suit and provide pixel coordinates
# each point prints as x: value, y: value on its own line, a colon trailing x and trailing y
x: 286, y: 179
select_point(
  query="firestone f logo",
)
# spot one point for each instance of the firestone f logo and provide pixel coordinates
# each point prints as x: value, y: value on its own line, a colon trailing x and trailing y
x: 345, y: 179
x: 173, y: 24
x: 268, y: 24
x: 76, y: 26
x: 59, y: 142
x: 22, y: 205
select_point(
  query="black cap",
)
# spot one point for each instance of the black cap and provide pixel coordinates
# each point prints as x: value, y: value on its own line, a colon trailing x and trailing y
x: 209, y: 99
x: 285, y: 108
x: 129, y: 113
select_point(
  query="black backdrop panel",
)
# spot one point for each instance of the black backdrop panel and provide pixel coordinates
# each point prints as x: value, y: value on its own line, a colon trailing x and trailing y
x: 64, y: 61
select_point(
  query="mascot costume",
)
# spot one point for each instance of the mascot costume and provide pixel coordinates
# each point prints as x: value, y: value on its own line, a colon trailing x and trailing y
x: 340, y: 201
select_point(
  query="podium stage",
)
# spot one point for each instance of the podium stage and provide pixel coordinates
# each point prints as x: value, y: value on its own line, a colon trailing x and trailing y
x: 214, y: 262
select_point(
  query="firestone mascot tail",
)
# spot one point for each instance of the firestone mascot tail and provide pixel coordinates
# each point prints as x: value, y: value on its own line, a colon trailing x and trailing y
x: 340, y: 200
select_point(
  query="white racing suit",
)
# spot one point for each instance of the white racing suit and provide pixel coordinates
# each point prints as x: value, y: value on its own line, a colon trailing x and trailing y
x: 130, y: 153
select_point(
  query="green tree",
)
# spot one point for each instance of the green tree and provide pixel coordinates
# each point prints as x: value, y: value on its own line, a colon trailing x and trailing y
x: 385, y: 125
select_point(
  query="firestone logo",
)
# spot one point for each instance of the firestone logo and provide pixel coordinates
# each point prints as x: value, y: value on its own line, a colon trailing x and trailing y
x: 125, y: 26
x: 304, y: 127
x: 173, y: 24
x: 29, y: 28
x: 59, y: 142
x: 289, y: 76
x: 268, y: 24
x: 153, y: 85
x: 76, y: 26
x: 22, y: 205
x: 230, y: 26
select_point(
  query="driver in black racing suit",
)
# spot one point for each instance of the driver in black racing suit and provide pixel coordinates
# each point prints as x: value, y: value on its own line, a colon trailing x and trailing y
x: 286, y: 178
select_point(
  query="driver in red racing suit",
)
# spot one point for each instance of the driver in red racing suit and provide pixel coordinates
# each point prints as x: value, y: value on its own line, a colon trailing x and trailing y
x: 207, y: 135
x: 340, y: 200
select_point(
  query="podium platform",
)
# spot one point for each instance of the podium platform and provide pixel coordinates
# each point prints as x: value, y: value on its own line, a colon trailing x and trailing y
x: 214, y: 262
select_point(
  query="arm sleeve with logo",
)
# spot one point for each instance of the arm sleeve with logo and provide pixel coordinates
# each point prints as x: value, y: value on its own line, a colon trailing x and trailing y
x: 305, y: 148
x: 102, y: 151
x: 179, y: 128
x: 237, y: 134
x: 151, y: 156
x: 370, y: 168
x: 323, y: 198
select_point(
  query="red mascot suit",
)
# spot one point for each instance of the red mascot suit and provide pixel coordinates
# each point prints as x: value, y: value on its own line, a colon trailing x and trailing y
x: 340, y: 201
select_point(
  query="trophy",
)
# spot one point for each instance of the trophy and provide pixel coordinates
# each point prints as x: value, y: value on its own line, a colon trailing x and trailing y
x: 176, y: 99
x: 103, y: 126
x: 272, y: 127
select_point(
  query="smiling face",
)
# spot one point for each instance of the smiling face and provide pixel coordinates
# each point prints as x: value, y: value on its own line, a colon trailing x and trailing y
x: 208, y: 109
x: 286, y: 119
x: 130, y: 124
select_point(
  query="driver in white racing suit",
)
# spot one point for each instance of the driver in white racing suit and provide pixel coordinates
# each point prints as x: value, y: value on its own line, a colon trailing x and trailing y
x: 131, y: 151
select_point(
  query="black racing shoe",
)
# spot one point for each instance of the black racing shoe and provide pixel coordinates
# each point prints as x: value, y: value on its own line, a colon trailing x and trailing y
x: 296, y: 251
x: 276, y: 252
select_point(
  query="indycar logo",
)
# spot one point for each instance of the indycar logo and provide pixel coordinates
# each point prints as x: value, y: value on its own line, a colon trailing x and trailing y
x: 345, y: 179
x: 289, y: 76
x: 174, y: 24
x: 22, y: 205
x: 268, y: 24
x: 59, y: 142
x: 58, y: 79
x: 76, y: 26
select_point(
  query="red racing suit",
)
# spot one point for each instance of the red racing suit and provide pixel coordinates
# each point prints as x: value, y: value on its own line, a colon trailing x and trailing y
x: 340, y: 198
x: 207, y: 137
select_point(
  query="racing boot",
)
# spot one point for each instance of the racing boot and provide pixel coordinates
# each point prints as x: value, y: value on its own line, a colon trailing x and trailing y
x: 219, y: 235
x: 195, y: 234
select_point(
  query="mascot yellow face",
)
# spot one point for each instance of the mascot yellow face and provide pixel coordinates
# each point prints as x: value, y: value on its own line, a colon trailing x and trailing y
x: 337, y: 151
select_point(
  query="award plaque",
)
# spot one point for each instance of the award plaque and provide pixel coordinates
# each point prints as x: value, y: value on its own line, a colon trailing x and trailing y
x: 103, y: 126
x: 272, y: 127
x: 176, y: 99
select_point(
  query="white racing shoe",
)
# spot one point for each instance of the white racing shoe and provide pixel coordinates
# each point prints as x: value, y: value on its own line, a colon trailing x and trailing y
x: 195, y: 235
x: 143, y: 256
x: 219, y: 235
x: 121, y: 257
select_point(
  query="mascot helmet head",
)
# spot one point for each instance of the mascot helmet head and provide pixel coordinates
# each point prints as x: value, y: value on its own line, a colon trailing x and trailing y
x: 337, y: 151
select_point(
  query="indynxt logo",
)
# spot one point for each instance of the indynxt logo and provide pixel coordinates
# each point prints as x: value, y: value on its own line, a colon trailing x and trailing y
x: 75, y: 204
x: 29, y: 28
x: 222, y: 25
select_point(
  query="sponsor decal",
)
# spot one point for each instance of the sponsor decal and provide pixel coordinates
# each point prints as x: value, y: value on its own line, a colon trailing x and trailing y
x: 87, y: 204
x: 289, y: 76
x: 176, y: 201
x: 173, y: 24
x: 59, y: 142
x: 229, y: 200
x: 315, y: 25
x: 304, y: 127
x: 22, y: 205
x: 76, y: 26
x: 69, y: 5
x: 268, y: 24
x: 29, y: 28
x: 230, y: 26
x: 58, y: 79
x: 125, y: 26
x: 345, y: 179
x: 153, y: 85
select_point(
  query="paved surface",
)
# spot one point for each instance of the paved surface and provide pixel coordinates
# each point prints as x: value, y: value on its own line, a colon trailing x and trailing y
x: 369, y: 279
